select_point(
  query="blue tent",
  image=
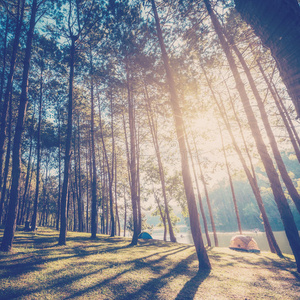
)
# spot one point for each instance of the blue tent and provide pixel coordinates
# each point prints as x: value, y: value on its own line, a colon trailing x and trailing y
x: 145, y: 235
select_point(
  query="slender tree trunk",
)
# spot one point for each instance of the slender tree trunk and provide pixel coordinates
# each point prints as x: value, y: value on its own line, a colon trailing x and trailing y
x: 231, y: 184
x: 154, y: 135
x: 198, y: 190
x: 10, y: 227
x: 125, y: 212
x: 87, y: 190
x: 138, y: 182
x: 64, y: 194
x: 79, y: 199
x: 59, y: 171
x: 25, y: 198
x: 132, y: 161
x: 192, y: 207
x: 213, y: 226
x: 116, y: 198
x: 38, y: 148
x: 6, y: 165
x: 279, y: 197
x: 94, y: 208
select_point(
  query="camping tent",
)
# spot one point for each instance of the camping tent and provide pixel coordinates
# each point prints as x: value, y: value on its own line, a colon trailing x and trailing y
x: 244, y: 243
x: 145, y: 235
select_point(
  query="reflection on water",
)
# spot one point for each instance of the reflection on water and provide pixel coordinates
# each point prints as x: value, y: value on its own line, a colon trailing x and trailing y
x: 185, y: 237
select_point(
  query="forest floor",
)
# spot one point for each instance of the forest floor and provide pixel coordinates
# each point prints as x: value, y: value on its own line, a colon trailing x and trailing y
x: 106, y: 268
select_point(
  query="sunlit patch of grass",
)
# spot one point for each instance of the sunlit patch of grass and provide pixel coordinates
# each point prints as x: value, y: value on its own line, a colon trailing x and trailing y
x: 107, y: 268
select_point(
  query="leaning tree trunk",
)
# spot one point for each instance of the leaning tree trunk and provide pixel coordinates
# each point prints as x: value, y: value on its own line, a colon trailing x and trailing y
x: 281, y: 112
x: 279, y: 197
x: 264, y: 116
x: 10, y: 227
x: 277, y: 23
x: 179, y: 126
x: 251, y: 177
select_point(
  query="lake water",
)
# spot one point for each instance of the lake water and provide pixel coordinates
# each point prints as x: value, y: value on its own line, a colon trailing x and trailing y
x: 184, y: 236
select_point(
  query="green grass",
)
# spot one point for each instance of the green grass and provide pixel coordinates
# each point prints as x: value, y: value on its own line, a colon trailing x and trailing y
x: 108, y: 269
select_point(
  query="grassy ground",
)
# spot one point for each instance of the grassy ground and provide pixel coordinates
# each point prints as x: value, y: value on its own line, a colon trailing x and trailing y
x: 108, y: 269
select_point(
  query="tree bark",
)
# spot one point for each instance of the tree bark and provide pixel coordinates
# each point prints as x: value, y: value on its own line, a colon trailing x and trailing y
x: 277, y: 23
x: 10, y: 227
x: 132, y: 162
x: 64, y: 194
x: 198, y: 191
x: 6, y: 165
x: 38, y: 149
x: 192, y: 207
x: 94, y: 208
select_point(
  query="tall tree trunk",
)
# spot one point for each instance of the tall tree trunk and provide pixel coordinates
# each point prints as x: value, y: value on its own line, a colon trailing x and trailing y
x: 132, y: 161
x: 116, y: 199
x: 198, y: 190
x: 94, y: 208
x: 277, y: 23
x: 87, y: 189
x: 213, y: 226
x: 10, y: 227
x: 7, y: 159
x: 9, y: 83
x: 64, y: 194
x: 192, y: 207
x: 25, y: 197
x: 109, y: 173
x: 154, y: 135
x: 59, y: 170
x: 279, y: 197
x: 38, y: 149
x: 138, y: 182
x: 79, y: 199
x: 231, y: 184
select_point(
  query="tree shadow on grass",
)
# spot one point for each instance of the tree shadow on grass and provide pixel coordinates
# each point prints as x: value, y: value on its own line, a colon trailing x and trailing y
x: 190, y: 288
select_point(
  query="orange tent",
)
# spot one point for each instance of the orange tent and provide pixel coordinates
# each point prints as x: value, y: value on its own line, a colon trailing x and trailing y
x: 244, y: 243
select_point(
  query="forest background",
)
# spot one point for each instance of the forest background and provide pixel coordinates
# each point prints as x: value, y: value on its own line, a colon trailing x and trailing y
x: 83, y: 90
